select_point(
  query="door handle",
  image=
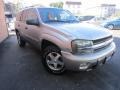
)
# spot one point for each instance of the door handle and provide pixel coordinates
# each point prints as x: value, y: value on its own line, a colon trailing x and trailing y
x: 26, y: 28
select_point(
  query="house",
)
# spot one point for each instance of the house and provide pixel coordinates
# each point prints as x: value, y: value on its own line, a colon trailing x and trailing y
x: 73, y: 6
x: 3, y: 26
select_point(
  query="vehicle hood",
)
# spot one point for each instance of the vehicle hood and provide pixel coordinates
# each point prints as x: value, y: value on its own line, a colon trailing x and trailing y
x: 81, y: 30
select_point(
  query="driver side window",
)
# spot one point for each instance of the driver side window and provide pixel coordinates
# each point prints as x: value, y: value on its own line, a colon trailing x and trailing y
x: 32, y: 16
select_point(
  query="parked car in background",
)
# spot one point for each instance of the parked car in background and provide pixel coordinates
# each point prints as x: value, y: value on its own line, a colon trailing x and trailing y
x: 92, y: 19
x: 86, y: 18
x: 112, y: 24
x: 65, y: 43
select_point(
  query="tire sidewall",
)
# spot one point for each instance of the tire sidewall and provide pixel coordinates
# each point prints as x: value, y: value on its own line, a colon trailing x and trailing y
x: 46, y: 51
x: 20, y: 41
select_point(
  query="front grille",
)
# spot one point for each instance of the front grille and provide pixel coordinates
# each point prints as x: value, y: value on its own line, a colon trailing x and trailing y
x: 102, y: 43
x: 98, y: 41
x: 101, y: 48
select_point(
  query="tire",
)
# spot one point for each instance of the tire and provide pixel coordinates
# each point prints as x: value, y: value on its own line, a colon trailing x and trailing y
x: 111, y: 27
x: 21, y: 42
x: 52, y: 60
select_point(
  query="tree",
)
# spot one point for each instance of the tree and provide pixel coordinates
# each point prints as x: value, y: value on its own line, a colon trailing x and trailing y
x: 57, y: 4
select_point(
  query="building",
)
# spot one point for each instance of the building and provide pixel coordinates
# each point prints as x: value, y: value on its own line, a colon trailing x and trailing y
x: 117, y: 13
x: 10, y: 11
x: 107, y: 10
x: 93, y: 11
x: 73, y: 6
x: 3, y: 26
x: 103, y: 10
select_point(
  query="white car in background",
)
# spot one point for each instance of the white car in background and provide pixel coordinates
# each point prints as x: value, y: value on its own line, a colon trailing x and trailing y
x: 10, y: 24
x: 92, y: 19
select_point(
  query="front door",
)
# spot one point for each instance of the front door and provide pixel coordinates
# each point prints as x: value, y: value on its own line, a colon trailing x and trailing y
x: 33, y: 31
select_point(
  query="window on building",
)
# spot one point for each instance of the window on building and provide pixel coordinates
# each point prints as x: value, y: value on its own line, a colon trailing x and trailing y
x: 78, y: 6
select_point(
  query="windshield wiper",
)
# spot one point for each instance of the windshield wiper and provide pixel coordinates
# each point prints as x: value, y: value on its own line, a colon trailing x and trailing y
x: 55, y: 21
x: 65, y: 21
x: 72, y: 21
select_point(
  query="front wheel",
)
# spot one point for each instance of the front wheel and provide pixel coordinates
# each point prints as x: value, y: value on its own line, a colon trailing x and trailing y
x: 110, y: 27
x: 52, y: 60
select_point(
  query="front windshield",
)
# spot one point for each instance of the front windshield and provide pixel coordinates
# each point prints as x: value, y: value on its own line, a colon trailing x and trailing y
x: 56, y: 15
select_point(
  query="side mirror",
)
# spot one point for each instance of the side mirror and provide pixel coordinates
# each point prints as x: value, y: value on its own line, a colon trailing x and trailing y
x: 33, y: 22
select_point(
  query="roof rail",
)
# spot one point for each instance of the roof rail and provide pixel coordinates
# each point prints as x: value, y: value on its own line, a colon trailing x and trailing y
x: 37, y: 5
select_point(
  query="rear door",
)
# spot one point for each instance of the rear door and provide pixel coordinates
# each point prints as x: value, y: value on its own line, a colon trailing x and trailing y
x: 22, y: 23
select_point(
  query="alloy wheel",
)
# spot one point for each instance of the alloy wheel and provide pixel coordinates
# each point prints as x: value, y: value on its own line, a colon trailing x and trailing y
x: 54, y: 61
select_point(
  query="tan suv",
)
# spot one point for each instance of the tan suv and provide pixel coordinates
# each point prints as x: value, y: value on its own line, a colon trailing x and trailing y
x: 65, y: 43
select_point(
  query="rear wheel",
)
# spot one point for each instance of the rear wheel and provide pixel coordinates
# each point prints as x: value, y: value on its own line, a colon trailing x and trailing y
x: 52, y: 60
x: 21, y: 42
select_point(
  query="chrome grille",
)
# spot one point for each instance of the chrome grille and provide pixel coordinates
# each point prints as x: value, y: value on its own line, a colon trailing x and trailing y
x: 101, y: 48
x: 101, y: 44
x: 98, y: 41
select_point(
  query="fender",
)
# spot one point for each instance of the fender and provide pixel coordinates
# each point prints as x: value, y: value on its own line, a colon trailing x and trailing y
x: 63, y: 43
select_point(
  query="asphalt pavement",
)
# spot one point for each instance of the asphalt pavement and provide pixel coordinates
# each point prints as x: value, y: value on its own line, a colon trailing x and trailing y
x: 21, y: 69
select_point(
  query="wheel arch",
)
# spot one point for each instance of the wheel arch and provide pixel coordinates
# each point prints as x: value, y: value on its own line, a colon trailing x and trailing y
x: 16, y: 30
x: 59, y: 41
x: 45, y: 43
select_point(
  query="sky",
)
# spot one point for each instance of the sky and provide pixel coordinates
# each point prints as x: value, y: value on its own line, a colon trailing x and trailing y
x: 85, y: 3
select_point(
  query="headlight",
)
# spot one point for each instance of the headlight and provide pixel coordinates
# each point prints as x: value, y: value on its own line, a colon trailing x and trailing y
x: 80, y: 46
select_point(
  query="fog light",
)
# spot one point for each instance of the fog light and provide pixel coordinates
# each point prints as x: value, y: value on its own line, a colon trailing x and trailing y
x: 83, y: 66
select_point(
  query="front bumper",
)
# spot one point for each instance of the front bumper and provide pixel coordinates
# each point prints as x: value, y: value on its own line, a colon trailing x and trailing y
x: 73, y: 62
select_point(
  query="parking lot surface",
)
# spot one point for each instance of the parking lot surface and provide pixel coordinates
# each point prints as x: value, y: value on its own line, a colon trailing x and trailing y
x: 21, y: 69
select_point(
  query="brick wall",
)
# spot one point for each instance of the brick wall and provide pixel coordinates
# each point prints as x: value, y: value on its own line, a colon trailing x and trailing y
x: 3, y: 27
